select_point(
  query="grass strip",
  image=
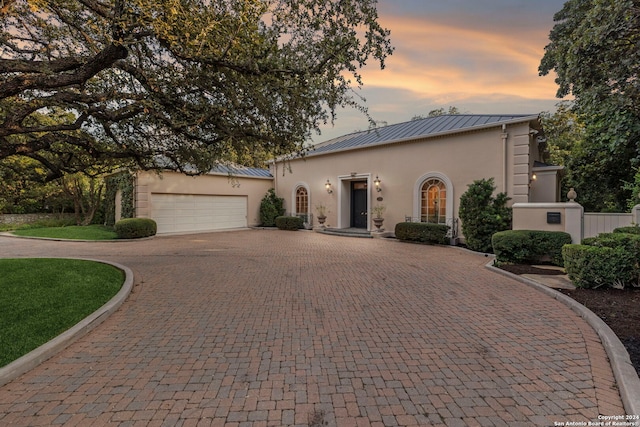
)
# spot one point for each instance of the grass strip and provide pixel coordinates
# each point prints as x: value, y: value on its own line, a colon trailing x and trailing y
x: 41, y: 298
x: 73, y: 232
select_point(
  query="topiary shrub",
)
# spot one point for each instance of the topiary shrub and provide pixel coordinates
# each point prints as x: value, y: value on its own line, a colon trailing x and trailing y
x: 633, y: 229
x: 611, y: 259
x: 483, y: 215
x: 422, y: 232
x: 289, y: 222
x: 271, y: 207
x: 135, y: 228
x: 530, y: 246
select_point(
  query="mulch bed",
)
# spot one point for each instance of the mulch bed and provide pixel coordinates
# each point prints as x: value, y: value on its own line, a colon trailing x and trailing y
x: 620, y: 309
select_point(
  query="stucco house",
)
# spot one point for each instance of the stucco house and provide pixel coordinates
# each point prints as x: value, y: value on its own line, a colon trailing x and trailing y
x: 226, y: 198
x: 418, y: 170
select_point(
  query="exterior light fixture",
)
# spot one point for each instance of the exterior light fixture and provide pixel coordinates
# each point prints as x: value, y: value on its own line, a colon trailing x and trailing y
x: 534, y: 177
x: 327, y: 185
x: 376, y: 182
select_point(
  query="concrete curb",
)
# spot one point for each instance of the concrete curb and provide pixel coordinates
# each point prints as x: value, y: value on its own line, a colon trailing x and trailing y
x: 51, y: 348
x: 624, y: 372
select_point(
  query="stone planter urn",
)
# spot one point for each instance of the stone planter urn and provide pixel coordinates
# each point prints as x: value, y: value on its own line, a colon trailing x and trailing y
x: 378, y: 223
x: 321, y: 219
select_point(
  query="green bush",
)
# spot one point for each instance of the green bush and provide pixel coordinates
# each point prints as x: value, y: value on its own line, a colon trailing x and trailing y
x: 630, y: 242
x: 634, y: 229
x: 422, y: 232
x: 289, y: 222
x: 271, y: 207
x: 610, y: 259
x: 135, y: 228
x: 595, y: 266
x: 530, y: 246
x: 483, y: 215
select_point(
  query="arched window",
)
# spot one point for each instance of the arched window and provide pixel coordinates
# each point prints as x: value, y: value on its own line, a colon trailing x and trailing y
x: 433, y: 201
x: 302, y: 201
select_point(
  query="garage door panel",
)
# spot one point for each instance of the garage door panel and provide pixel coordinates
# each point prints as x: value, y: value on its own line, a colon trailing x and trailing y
x: 176, y: 213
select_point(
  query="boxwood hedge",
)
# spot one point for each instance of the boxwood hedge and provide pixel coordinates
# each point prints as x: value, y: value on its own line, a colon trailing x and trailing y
x: 289, y: 222
x: 422, y: 232
x: 633, y: 229
x: 611, y: 259
x: 135, y: 228
x: 529, y: 246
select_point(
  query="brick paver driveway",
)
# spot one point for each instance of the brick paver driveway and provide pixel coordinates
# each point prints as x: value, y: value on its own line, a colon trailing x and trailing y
x: 296, y: 328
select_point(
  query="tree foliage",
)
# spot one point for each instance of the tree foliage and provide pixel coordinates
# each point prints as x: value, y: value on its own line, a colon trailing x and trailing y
x: 483, y: 215
x: 594, y: 51
x: 452, y: 110
x: 23, y: 188
x: 171, y: 83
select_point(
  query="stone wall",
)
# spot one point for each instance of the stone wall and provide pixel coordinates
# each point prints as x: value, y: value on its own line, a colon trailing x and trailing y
x: 18, y: 219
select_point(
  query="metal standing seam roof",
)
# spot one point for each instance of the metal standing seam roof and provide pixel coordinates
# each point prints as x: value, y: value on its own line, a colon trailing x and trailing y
x: 423, y: 128
x: 241, y: 171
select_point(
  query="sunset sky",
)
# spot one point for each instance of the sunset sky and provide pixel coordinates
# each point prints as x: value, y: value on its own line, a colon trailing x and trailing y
x: 480, y: 56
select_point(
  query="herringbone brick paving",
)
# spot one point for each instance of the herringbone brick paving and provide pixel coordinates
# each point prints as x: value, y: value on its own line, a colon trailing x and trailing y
x: 274, y: 328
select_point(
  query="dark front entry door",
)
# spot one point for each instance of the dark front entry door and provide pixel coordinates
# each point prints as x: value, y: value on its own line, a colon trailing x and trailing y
x: 359, y: 204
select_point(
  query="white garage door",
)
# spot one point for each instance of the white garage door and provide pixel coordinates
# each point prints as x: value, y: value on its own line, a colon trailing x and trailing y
x: 179, y: 213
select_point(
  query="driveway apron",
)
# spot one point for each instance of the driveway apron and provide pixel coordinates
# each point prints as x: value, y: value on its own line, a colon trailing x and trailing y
x: 274, y: 328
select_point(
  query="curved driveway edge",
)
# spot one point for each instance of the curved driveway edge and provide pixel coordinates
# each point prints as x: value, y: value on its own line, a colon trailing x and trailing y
x: 626, y: 375
x: 49, y: 349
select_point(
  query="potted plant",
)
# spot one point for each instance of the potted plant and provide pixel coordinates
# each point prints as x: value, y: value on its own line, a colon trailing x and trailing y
x: 322, y: 213
x: 378, y: 210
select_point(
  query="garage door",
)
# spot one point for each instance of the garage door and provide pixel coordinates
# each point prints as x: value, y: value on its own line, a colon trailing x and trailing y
x: 179, y: 213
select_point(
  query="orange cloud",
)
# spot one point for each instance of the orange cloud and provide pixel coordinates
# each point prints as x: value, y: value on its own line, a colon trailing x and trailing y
x: 442, y: 61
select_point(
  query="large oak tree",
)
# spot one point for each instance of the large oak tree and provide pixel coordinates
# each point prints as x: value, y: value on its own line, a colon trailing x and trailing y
x: 177, y: 83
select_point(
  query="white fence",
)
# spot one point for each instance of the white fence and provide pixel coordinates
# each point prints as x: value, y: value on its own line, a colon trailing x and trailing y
x: 596, y: 223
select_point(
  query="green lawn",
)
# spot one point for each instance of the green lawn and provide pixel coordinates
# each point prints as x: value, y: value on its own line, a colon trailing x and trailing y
x: 73, y: 232
x: 41, y: 298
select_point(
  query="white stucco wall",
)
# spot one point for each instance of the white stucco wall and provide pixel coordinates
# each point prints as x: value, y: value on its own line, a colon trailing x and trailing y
x: 504, y: 154
x: 215, y: 184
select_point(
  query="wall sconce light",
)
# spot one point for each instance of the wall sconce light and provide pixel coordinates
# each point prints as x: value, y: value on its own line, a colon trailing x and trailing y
x: 376, y: 182
x: 534, y: 177
x: 327, y: 185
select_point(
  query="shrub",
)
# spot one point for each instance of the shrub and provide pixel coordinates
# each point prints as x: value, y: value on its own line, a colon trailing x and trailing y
x: 530, y: 246
x: 595, y: 266
x: 634, y: 229
x: 135, y: 228
x: 610, y: 259
x: 483, y: 215
x: 289, y: 222
x: 271, y: 207
x: 629, y: 242
x: 422, y: 232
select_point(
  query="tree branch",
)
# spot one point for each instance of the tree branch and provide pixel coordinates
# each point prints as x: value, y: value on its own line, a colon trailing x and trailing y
x: 103, y: 60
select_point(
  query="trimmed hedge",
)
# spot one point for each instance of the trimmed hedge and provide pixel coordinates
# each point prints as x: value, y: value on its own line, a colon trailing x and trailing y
x: 289, y: 222
x: 422, y: 232
x: 529, y: 246
x: 611, y: 259
x: 633, y: 229
x: 135, y: 228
